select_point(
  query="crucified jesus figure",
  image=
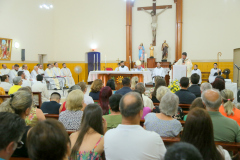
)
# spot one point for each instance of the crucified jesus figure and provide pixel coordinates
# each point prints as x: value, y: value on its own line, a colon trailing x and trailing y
x: 154, y: 21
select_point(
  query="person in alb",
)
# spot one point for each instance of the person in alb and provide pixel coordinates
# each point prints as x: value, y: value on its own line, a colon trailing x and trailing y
x: 118, y: 65
x: 214, y: 73
x: 158, y: 71
x: 40, y: 69
x: 123, y: 68
x: 185, y: 61
x: 27, y: 73
x: 196, y: 70
x: 67, y: 75
x: 54, y: 83
x: 57, y: 73
x: 139, y: 66
x: 13, y: 73
x: 4, y: 70
x: 34, y: 73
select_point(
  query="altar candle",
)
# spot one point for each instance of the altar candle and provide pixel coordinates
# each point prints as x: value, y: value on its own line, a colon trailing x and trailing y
x: 97, y: 61
x: 146, y: 57
x: 105, y: 58
x: 130, y: 59
x: 94, y: 59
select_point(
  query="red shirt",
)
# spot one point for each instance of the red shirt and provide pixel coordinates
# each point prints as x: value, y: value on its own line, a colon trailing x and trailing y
x: 64, y: 108
x: 235, y: 117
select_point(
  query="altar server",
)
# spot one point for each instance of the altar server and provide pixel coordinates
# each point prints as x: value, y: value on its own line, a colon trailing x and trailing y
x: 185, y: 61
x: 196, y: 70
x: 139, y: 66
x: 118, y: 65
x: 214, y: 73
x: 57, y: 73
x: 123, y: 68
x: 158, y: 71
x: 54, y: 83
x: 13, y: 73
x: 4, y: 70
x: 67, y: 75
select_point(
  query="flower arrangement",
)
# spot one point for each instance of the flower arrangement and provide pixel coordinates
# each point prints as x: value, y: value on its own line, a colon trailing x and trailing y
x: 174, y: 86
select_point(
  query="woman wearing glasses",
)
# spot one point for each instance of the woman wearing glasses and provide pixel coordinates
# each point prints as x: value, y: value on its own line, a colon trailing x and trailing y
x: 19, y: 103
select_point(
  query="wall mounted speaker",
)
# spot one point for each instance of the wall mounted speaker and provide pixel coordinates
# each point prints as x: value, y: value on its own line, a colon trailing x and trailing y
x: 23, y: 55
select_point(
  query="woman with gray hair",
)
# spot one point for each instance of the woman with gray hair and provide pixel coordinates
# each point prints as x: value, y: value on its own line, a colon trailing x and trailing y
x: 163, y: 123
x: 17, y: 81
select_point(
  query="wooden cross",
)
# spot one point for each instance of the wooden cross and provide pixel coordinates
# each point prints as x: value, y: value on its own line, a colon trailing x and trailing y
x: 154, y: 8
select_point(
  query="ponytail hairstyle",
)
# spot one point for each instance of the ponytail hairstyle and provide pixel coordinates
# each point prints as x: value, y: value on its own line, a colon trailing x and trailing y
x: 227, y: 98
x: 18, y: 103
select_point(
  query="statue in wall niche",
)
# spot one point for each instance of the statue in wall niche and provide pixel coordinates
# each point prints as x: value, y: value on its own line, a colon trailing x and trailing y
x: 141, y: 52
x: 164, y: 51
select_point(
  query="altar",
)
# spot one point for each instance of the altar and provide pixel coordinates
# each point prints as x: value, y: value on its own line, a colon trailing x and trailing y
x: 143, y: 76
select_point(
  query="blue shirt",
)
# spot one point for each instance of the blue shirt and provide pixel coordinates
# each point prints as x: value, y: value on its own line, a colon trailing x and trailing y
x: 123, y: 91
x: 1, y: 159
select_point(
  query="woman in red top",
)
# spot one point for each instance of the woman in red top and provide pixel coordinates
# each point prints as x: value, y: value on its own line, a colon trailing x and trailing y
x: 228, y: 109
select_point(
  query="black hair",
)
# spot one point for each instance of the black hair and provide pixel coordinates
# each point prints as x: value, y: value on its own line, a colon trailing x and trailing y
x: 20, y: 73
x: 114, y: 102
x: 195, y: 78
x: 133, y: 108
x: 4, y: 77
x: 215, y: 63
x: 54, y: 63
x: 182, y: 151
x: 184, y: 82
x: 16, y: 65
x: 56, y: 93
x: 48, y: 64
x: 12, y: 127
x: 195, y: 65
x: 111, y: 84
x: 43, y: 139
x: 126, y: 81
x: 63, y: 64
x: 184, y: 53
x: 39, y: 77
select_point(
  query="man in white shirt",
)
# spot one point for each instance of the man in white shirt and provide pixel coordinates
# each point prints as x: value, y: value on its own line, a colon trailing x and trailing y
x: 34, y: 73
x: 40, y: 87
x: 13, y: 73
x: 57, y: 73
x: 158, y: 71
x: 196, y: 70
x: 147, y: 101
x: 4, y: 70
x: 54, y: 83
x: 40, y: 69
x: 123, y: 68
x: 214, y: 73
x: 186, y: 61
x: 118, y: 65
x: 87, y: 98
x: 25, y: 81
x: 5, y: 83
x: 67, y: 75
x: 129, y: 140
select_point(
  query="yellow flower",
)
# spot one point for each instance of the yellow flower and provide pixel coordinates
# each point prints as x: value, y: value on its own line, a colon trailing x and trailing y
x: 171, y: 85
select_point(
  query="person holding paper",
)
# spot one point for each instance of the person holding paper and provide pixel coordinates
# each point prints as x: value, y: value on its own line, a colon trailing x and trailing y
x: 123, y: 68
x: 214, y: 73
x: 185, y: 61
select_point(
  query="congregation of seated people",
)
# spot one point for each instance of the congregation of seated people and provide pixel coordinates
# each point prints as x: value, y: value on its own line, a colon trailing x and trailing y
x: 105, y: 124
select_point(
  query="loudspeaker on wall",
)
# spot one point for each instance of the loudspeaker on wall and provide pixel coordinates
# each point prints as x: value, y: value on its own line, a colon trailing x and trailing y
x: 23, y: 55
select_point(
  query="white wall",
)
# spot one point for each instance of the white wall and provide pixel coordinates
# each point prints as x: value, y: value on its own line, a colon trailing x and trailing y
x: 78, y: 24
x: 210, y: 27
x: 142, y: 32
x: 24, y: 22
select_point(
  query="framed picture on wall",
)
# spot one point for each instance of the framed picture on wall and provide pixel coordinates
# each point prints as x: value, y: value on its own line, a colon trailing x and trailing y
x: 5, y: 48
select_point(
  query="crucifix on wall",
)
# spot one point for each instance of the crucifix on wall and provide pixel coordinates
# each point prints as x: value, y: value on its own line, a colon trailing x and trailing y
x: 154, y: 16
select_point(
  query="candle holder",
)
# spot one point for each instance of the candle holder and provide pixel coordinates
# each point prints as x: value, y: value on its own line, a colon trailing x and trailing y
x: 94, y: 66
x: 130, y: 66
x: 105, y: 66
x: 97, y: 67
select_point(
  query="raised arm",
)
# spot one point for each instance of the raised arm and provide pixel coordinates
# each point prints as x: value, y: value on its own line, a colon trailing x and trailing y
x: 146, y: 11
x: 162, y: 11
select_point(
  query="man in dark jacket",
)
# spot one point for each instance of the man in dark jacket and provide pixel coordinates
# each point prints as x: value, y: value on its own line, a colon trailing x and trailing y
x: 194, y: 88
x: 126, y: 87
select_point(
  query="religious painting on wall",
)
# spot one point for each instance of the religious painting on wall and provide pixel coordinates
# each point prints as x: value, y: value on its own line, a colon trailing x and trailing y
x: 5, y: 48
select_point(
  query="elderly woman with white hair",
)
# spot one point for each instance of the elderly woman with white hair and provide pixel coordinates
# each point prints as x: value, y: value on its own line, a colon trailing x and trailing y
x: 163, y: 123
x: 17, y: 81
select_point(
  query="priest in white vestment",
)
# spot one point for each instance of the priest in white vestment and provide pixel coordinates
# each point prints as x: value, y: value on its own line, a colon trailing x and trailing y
x: 34, y: 73
x: 13, y: 73
x: 40, y: 69
x: 214, y: 73
x: 57, y: 73
x: 5, y: 83
x: 185, y: 61
x: 25, y: 81
x: 158, y: 71
x: 39, y: 86
x: 196, y: 70
x: 123, y: 68
x: 54, y: 83
x: 27, y: 73
x: 139, y: 66
x: 4, y: 70
x: 67, y: 75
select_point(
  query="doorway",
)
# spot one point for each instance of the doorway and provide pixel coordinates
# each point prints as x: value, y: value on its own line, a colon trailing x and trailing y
x: 236, y: 60
x: 42, y: 58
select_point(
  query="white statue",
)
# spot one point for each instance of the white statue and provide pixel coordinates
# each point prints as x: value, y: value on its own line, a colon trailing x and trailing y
x: 154, y: 21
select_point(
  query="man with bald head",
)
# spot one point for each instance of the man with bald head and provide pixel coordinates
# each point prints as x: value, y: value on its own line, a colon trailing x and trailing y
x: 4, y: 70
x: 224, y: 129
x: 129, y: 140
x: 34, y: 73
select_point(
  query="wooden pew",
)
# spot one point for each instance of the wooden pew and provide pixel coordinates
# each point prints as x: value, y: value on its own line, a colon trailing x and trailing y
x: 54, y: 116
x: 39, y: 94
x: 96, y: 101
x: 184, y: 106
